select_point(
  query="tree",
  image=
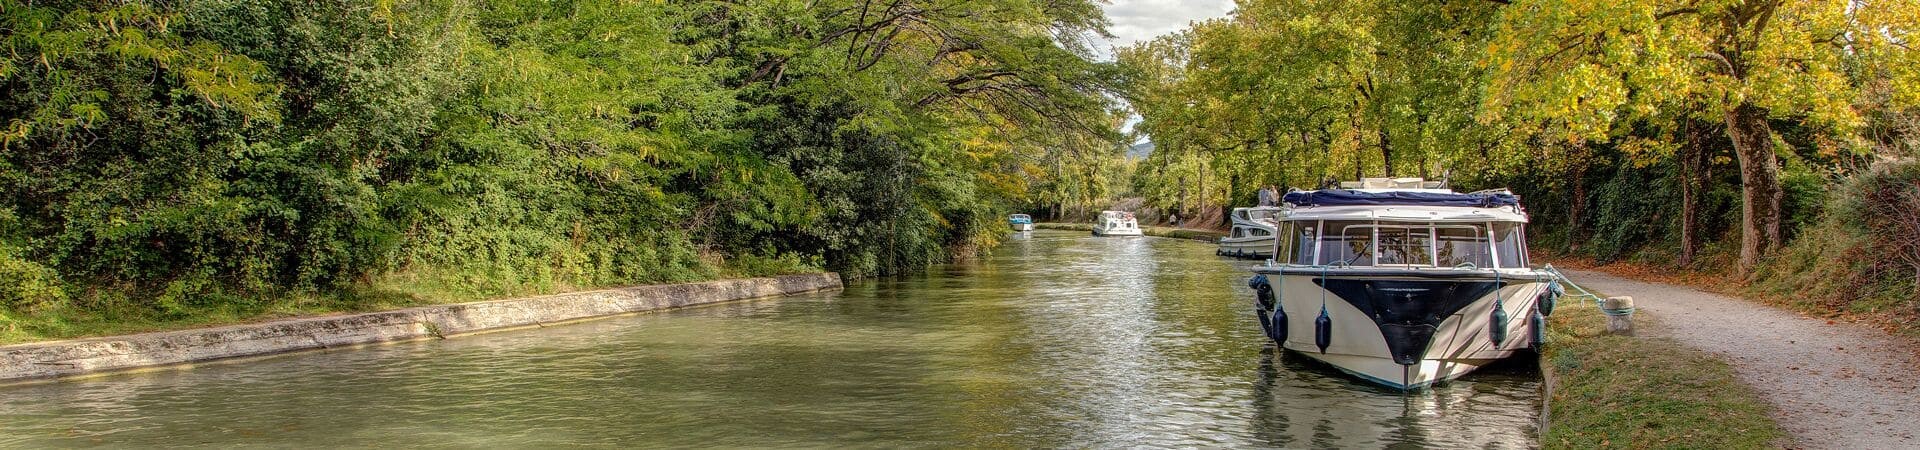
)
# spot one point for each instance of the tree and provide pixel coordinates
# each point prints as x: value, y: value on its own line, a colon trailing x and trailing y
x: 1597, y: 67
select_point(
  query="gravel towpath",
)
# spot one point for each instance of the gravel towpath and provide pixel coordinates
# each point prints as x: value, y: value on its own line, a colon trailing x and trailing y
x: 1834, y: 385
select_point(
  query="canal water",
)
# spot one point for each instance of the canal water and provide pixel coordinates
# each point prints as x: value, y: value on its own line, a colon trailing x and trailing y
x: 1057, y: 340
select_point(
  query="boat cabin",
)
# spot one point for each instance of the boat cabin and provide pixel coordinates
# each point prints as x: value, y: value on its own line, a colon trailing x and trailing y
x: 1401, y: 228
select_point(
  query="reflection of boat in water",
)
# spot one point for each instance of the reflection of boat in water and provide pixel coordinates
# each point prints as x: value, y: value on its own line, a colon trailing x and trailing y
x: 1497, y: 409
x: 1403, y: 282
x: 1116, y: 223
x: 1252, y: 234
x: 1021, y: 222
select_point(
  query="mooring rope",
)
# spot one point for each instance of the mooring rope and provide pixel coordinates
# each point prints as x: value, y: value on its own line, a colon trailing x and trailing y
x: 1598, y: 302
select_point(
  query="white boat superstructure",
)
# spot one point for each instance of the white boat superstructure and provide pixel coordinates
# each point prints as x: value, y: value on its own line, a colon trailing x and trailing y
x: 1401, y: 282
x: 1116, y: 223
x: 1252, y: 233
x: 1020, y: 222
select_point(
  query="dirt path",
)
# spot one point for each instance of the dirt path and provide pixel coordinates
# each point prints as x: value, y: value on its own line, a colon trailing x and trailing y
x: 1834, y: 385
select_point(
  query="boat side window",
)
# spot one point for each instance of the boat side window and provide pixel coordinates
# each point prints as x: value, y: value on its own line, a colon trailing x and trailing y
x: 1405, y: 244
x: 1239, y: 232
x: 1510, y: 244
x: 1258, y: 232
x: 1282, y: 247
x: 1347, y: 242
x: 1462, y: 244
x: 1304, y: 245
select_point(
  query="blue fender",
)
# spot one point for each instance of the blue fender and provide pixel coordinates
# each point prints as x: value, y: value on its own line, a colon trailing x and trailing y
x: 1323, y: 330
x: 1497, y: 329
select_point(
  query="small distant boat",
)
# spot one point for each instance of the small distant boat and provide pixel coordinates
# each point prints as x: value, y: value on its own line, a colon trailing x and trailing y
x: 1252, y: 235
x: 1402, y: 281
x: 1116, y: 223
x: 1021, y: 222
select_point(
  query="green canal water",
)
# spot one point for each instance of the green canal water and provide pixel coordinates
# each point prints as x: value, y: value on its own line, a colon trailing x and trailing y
x: 1057, y: 340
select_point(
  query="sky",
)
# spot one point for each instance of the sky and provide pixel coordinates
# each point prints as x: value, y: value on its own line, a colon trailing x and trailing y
x: 1140, y: 20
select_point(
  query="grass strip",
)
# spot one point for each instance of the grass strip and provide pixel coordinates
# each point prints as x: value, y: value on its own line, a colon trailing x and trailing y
x: 1644, y: 392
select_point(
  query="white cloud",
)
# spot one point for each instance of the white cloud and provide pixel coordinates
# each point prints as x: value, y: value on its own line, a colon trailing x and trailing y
x: 1141, y: 20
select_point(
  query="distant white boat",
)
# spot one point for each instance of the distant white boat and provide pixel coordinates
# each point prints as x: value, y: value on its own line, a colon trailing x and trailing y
x: 1252, y: 234
x: 1116, y: 223
x: 1403, y: 282
x: 1021, y: 222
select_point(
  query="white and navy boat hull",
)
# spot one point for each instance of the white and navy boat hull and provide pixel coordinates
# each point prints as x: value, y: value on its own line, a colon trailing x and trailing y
x: 1402, y: 330
x: 1247, y: 247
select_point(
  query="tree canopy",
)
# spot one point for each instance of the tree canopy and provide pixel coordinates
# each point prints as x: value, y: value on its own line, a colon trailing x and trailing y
x: 180, y: 156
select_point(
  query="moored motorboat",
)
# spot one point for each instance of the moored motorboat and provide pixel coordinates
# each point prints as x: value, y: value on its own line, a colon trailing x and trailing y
x: 1403, y: 282
x: 1252, y: 233
x: 1021, y: 222
x: 1116, y: 223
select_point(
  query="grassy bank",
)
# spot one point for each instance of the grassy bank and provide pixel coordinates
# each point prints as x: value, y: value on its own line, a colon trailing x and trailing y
x: 1165, y: 232
x: 1642, y: 392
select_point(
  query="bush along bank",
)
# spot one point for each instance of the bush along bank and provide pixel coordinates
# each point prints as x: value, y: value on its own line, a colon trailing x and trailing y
x: 1854, y: 252
x: 167, y: 164
x: 1608, y: 391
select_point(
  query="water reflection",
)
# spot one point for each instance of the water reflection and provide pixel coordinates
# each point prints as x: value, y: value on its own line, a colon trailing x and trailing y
x: 1059, y: 339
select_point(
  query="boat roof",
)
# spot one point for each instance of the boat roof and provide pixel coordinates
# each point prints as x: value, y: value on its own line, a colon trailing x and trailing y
x: 1409, y: 213
x: 1403, y: 199
x: 1409, y: 197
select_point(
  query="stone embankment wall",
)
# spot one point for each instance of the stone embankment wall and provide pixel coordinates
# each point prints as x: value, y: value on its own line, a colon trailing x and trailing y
x: 48, y: 360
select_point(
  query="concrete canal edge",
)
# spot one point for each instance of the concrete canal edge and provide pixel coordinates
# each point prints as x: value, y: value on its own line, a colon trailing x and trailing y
x: 82, y: 357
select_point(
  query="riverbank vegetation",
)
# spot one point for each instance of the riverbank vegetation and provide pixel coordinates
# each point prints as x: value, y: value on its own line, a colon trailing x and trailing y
x: 187, y: 162
x: 1770, y: 143
x: 1636, y: 392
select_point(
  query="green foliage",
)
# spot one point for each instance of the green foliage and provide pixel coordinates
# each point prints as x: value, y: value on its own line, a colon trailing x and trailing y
x: 1635, y: 130
x: 1863, y: 256
x: 232, y: 158
x: 27, y: 286
x: 1297, y: 92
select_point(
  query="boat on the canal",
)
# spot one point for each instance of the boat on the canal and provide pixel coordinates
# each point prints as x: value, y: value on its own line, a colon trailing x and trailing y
x: 1402, y: 281
x: 1021, y: 222
x: 1116, y: 223
x: 1252, y: 233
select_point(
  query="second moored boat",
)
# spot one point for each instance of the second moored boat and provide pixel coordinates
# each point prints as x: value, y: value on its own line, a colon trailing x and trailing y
x: 1252, y: 233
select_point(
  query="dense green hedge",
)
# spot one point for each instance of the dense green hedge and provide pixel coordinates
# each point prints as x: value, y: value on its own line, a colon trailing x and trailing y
x: 162, y: 159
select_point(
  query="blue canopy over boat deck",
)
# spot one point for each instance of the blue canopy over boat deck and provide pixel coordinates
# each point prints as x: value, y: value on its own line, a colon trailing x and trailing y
x: 1344, y: 197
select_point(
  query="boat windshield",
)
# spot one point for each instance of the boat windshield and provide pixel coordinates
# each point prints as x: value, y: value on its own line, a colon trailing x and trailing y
x: 1405, y: 244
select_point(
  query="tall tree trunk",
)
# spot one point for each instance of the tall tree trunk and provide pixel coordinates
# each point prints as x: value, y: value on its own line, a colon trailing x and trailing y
x: 1358, y: 163
x: 1695, y: 162
x: 1181, y: 209
x: 1579, y: 205
x: 1203, y: 188
x: 1386, y: 153
x: 1759, y: 184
